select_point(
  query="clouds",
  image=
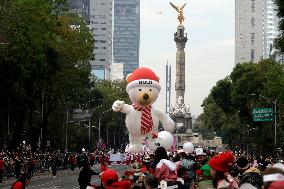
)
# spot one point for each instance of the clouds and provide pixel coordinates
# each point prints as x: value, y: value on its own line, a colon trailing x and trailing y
x: 209, y: 50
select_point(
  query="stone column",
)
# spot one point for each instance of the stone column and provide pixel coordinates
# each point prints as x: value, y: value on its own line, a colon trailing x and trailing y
x: 180, y: 38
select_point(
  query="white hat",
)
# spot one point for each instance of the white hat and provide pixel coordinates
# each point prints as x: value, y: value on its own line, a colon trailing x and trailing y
x: 199, y: 152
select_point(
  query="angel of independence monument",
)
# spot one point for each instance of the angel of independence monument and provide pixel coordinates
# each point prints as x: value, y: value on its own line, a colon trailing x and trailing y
x: 180, y: 112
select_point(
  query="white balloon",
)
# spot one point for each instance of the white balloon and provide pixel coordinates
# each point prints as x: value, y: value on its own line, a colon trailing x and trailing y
x: 188, y: 147
x: 83, y: 150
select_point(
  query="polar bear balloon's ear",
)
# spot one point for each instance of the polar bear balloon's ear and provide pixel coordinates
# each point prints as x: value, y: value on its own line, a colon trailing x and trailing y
x: 158, y: 79
x: 128, y: 77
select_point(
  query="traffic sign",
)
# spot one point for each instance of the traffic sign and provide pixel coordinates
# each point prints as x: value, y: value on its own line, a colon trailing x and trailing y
x: 262, y: 110
x: 264, y: 119
x: 262, y: 114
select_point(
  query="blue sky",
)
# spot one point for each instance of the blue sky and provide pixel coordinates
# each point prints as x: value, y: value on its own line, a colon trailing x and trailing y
x: 209, y: 51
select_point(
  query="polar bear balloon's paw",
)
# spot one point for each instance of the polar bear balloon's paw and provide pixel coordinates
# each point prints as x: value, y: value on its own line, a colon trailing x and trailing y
x: 117, y: 106
x: 135, y: 148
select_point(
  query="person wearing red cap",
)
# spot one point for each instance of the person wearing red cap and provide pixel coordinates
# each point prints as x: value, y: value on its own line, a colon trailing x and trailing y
x: 110, y: 179
x: 142, y: 119
x: 219, y: 171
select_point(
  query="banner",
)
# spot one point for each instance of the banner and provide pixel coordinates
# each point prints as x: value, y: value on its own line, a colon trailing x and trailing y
x: 117, y: 157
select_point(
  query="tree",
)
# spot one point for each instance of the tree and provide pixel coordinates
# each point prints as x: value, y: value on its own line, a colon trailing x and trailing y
x: 228, y: 107
x: 279, y: 41
x: 44, y: 63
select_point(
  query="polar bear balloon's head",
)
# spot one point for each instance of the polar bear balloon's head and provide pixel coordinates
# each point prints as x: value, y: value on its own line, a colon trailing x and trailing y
x: 143, y: 87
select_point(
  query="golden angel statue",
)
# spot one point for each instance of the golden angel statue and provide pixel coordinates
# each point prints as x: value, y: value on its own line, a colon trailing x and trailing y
x: 180, y: 11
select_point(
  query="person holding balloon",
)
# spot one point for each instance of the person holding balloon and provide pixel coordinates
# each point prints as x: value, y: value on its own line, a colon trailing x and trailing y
x: 187, y: 162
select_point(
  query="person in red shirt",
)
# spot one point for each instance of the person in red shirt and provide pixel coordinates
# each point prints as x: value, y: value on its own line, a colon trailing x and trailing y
x: 72, y: 161
x: 2, y: 164
x: 103, y: 166
x: 22, y: 182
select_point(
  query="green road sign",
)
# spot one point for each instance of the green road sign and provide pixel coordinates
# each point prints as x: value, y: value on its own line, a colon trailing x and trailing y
x: 266, y: 119
x: 262, y: 114
x: 262, y: 110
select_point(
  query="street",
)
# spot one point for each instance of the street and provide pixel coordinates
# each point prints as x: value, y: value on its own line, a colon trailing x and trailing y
x: 66, y: 180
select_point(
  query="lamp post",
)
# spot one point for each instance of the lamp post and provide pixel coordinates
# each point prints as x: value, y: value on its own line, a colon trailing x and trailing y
x: 274, y: 102
x: 66, y: 133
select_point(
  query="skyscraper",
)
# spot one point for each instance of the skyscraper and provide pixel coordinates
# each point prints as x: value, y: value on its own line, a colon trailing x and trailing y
x: 98, y: 15
x: 270, y: 26
x: 126, y: 37
x: 101, y: 27
x: 80, y: 7
x: 256, y: 26
x: 248, y: 31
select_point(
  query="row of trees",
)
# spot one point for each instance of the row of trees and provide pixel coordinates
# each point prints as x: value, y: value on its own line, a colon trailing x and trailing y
x: 228, y: 107
x: 45, y: 54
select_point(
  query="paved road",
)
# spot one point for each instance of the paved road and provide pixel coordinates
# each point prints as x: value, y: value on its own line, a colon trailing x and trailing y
x: 66, y: 180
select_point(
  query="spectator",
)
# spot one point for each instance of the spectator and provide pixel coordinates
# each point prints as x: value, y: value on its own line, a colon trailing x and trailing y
x: 72, y: 161
x: 204, y: 179
x: 251, y: 176
x: 18, y: 166
x: 189, y: 165
x: 54, y: 163
x: 22, y: 182
x: 2, y: 164
x: 85, y: 176
x: 273, y: 178
x: 151, y: 182
x: 219, y: 171
x: 165, y: 169
x: 110, y: 179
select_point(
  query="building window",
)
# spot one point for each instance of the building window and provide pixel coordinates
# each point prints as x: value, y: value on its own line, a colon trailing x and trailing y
x: 102, y: 59
x: 103, y: 28
x: 252, y: 55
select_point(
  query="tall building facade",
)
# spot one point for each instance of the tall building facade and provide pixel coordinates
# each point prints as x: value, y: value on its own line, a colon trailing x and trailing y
x: 126, y: 36
x: 248, y: 30
x: 256, y: 26
x: 101, y: 27
x: 80, y: 7
x: 270, y: 27
x: 98, y: 15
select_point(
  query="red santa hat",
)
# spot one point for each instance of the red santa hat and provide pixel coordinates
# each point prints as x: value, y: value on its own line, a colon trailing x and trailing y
x: 222, y: 162
x: 109, y: 175
x: 143, y: 77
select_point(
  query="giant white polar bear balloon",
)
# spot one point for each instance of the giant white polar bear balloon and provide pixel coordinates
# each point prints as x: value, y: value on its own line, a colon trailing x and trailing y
x: 142, y: 118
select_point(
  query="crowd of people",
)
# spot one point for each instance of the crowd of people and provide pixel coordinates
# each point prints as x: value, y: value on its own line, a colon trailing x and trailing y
x: 199, y: 170
x: 160, y: 169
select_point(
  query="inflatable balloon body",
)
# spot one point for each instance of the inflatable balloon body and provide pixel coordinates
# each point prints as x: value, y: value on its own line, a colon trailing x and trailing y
x: 164, y: 139
x: 142, y: 118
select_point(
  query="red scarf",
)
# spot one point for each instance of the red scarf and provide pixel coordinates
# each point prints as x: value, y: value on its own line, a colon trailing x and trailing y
x: 146, y: 118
